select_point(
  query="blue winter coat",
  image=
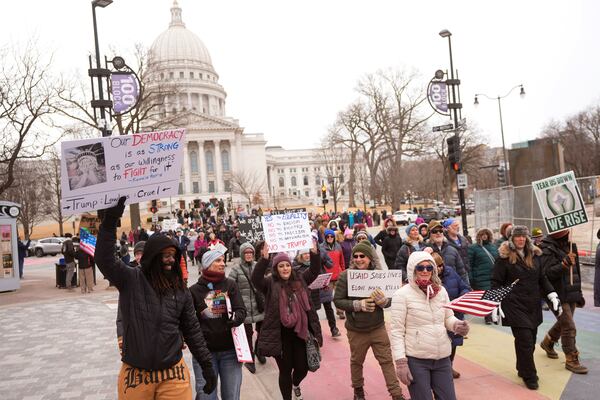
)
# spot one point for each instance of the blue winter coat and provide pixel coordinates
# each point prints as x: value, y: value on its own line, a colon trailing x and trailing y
x: 455, y: 287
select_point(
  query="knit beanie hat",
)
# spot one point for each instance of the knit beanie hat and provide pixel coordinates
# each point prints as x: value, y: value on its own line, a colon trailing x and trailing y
x: 364, y: 234
x: 365, y: 248
x: 329, y: 232
x: 303, y: 251
x: 281, y: 257
x: 409, y: 227
x: 447, y: 223
x: 348, y: 232
x: 209, y: 257
x: 139, y: 246
x: 246, y: 246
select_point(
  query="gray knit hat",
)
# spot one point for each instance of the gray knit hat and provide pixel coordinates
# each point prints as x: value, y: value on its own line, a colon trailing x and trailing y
x: 246, y: 246
x: 139, y: 246
x: 209, y: 257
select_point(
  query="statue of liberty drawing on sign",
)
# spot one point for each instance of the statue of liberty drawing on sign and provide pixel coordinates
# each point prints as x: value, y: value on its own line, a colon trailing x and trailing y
x: 86, y: 165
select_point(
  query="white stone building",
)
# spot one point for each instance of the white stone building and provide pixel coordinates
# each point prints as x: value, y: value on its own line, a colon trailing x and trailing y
x: 215, y: 142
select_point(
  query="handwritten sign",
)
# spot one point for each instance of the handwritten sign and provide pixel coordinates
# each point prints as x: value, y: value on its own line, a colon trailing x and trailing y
x: 361, y: 283
x: 321, y: 281
x: 170, y: 224
x: 287, y: 232
x: 251, y: 229
x: 97, y: 172
x: 240, y: 340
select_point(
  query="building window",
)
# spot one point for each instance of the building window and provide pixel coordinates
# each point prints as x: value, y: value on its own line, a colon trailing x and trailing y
x: 341, y: 178
x: 181, y: 75
x: 180, y: 190
x: 171, y: 75
x: 343, y: 192
x: 162, y: 75
x: 227, y: 185
x: 210, y: 164
x: 293, y: 181
x: 225, y: 160
x: 211, y: 186
x: 317, y: 180
x: 305, y: 180
x: 281, y: 182
x: 191, y: 75
x: 195, y: 187
x: 194, y: 162
x: 306, y: 193
x: 201, y: 76
x: 292, y: 170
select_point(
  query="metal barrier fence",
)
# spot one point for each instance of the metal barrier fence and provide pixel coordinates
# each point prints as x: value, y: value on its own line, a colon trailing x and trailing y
x: 519, y: 206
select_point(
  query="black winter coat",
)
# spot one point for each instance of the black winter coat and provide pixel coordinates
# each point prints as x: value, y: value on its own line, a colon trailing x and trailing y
x: 550, y: 260
x: 402, y: 257
x: 315, y: 296
x: 215, y: 328
x: 522, y: 307
x: 152, y: 326
x: 389, y: 248
x: 269, y: 340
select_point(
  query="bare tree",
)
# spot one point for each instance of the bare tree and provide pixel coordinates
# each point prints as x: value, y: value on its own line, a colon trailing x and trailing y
x: 29, y: 94
x: 249, y: 185
x: 30, y: 193
x: 334, y: 158
x: 51, y: 175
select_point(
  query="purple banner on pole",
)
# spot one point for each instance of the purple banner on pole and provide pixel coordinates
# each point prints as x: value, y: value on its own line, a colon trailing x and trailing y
x: 125, y: 91
x: 438, y: 96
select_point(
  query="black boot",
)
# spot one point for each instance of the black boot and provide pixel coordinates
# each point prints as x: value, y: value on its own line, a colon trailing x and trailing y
x: 359, y: 393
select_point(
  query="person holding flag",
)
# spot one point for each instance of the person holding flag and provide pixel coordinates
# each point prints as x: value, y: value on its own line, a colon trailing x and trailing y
x: 521, y: 309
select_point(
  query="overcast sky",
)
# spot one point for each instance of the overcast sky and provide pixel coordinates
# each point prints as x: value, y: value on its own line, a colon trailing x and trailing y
x: 290, y: 66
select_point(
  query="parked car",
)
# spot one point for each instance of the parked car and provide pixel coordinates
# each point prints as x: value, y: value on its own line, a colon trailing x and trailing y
x: 447, y: 211
x: 404, y: 217
x: 51, y: 246
x: 430, y: 213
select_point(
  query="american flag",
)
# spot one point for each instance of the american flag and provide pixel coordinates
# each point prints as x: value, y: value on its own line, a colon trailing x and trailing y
x: 87, y: 241
x: 480, y: 302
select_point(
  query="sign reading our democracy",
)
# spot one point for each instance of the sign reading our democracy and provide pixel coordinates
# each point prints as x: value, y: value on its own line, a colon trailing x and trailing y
x: 142, y: 167
x: 287, y: 232
x: 560, y: 202
x: 361, y: 283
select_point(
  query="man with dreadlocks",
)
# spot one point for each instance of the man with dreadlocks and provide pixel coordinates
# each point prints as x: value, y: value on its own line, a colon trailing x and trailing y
x: 157, y: 310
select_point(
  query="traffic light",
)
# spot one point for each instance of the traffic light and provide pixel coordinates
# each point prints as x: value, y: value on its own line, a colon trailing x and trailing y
x: 502, y: 175
x: 454, y: 152
x: 153, y: 208
x: 324, y: 194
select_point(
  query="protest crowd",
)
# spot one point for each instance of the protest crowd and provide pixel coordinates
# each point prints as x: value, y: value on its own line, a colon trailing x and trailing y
x: 270, y: 296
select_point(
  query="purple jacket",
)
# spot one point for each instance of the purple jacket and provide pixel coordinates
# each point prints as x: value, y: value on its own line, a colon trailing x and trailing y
x: 347, y: 246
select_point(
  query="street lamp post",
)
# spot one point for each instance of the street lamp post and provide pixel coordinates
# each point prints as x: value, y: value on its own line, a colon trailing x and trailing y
x: 99, y: 73
x: 455, y: 105
x: 499, y: 99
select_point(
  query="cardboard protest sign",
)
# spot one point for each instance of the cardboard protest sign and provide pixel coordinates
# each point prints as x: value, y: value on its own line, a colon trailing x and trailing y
x: 287, y: 232
x: 169, y: 224
x: 321, y: 281
x: 142, y: 167
x: 560, y: 202
x: 361, y: 283
x: 251, y: 229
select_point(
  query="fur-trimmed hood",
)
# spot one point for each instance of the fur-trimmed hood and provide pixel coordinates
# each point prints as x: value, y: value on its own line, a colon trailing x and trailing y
x: 508, y: 251
x: 481, y: 232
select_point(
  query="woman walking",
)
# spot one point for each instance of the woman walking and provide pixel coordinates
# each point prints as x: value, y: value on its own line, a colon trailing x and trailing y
x: 289, y: 317
x: 420, y: 343
x: 482, y: 256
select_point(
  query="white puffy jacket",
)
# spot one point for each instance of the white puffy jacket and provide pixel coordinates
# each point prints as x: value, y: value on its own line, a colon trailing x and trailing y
x: 419, y: 324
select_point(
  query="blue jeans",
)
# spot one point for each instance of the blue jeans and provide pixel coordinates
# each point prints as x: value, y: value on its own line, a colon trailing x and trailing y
x: 228, y: 370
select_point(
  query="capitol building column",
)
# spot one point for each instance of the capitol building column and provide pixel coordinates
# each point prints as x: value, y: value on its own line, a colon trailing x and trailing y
x: 203, y: 175
x: 218, y: 167
x: 186, y: 169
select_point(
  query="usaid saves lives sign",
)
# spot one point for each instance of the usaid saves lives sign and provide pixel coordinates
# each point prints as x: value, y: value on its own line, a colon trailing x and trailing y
x: 560, y: 202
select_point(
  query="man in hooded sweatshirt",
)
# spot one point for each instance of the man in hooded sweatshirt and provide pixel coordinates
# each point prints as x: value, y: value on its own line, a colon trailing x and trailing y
x: 158, y: 315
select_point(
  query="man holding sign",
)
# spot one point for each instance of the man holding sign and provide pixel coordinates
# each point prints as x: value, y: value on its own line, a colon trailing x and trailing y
x: 365, y: 325
x: 560, y: 263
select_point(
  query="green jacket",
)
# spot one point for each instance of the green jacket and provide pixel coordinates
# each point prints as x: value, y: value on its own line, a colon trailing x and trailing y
x: 357, y: 321
x: 482, y: 265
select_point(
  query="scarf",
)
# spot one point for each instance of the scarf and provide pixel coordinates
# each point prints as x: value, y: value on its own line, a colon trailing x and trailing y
x: 428, y: 287
x: 292, y: 311
x: 212, y: 276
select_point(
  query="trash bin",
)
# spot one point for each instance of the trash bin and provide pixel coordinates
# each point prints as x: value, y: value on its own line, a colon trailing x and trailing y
x: 61, y: 276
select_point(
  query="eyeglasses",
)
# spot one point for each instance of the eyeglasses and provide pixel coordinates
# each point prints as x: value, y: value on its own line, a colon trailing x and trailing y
x: 359, y: 256
x: 437, y: 231
x: 422, y: 268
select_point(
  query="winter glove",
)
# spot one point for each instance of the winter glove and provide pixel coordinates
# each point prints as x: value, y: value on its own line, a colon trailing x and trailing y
x: 403, y: 372
x: 497, y: 311
x: 581, y: 303
x: 110, y: 217
x: 379, y: 298
x: 211, y: 379
x: 461, y: 328
x: 364, y: 305
x: 555, y: 301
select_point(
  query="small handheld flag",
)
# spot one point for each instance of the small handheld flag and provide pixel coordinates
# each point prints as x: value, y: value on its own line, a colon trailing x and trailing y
x: 480, y: 302
x: 87, y: 241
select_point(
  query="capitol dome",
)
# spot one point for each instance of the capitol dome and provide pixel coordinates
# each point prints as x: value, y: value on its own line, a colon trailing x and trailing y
x: 179, y: 45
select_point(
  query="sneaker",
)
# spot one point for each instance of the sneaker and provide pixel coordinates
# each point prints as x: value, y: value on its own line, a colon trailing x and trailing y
x: 297, y: 393
x: 335, y: 332
x: 250, y: 367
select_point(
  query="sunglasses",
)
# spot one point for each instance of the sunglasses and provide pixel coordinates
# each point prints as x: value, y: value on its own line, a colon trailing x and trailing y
x: 437, y: 231
x: 359, y: 256
x: 329, y: 236
x: 422, y: 268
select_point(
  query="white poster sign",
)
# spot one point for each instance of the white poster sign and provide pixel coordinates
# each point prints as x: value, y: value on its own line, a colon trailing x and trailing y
x: 560, y: 202
x: 361, y: 283
x: 321, y: 281
x: 169, y: 225
x: 240, y: 340
x: 287, y: 232
x: 97, y: 172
